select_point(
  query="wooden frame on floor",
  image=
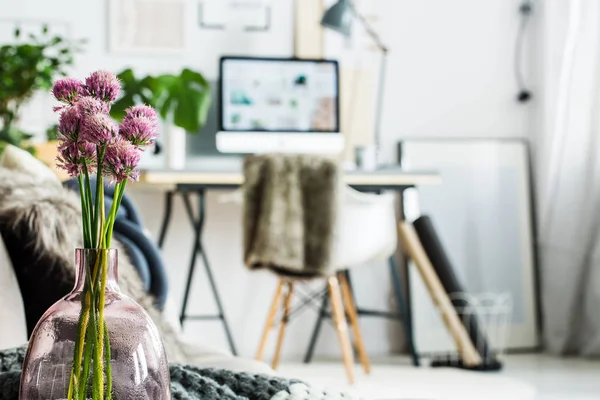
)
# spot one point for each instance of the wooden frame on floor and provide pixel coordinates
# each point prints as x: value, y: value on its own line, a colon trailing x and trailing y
x: 412, y: 245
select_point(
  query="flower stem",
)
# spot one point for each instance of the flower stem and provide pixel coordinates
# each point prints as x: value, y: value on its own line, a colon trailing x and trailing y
x: 90, y: 338
x: 99, y: 357
x: 108, y: 365
x: 89, y: 350
x: 100, y: 298
x: 84, y: 317
x: 98, y: 373
x: 90, y: 207
x: 112, y: 216
x: 87, y: 239
x: 99, y: 206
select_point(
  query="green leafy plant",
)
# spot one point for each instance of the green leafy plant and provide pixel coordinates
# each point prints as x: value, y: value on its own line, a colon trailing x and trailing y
x: 26, y: 66
x: 183, y: 99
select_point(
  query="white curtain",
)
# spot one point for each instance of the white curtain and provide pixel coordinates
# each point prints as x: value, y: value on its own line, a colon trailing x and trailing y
x: 568, y: 172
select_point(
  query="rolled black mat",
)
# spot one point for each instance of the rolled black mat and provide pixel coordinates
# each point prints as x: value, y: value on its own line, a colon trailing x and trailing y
x: 441, y: 263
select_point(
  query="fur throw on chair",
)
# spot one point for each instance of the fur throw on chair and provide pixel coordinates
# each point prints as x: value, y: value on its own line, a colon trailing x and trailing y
x: 290, y: 209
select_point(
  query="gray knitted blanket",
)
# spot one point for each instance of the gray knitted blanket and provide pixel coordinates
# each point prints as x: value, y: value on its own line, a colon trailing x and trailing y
x: 191, y: 383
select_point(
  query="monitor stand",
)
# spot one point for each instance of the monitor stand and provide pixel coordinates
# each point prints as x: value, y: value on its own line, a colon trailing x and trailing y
x: 280, y: 142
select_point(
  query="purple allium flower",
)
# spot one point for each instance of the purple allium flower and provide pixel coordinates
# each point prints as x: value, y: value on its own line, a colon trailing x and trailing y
x: 69, y: 122
x: 88, y: 105
x: 68, y: 90
x: 120, y: 160
x: 139, y: 131
x: 103, y: 85
x: 141, y: 110
x: 72, y: 155
x: 98, y: 129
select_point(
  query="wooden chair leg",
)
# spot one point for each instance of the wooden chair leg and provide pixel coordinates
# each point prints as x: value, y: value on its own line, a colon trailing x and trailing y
x: 284, y: 320
x: 270, y: 320
x: 339, y: 319
x: 353, y: 319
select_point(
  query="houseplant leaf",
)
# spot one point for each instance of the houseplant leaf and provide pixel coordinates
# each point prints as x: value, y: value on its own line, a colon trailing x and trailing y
x: 192, y: 101
x: 134, y: 92
x: 183, y: 99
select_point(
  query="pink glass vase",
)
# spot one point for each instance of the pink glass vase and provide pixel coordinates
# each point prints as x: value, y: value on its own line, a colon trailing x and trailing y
x: 138, y: 366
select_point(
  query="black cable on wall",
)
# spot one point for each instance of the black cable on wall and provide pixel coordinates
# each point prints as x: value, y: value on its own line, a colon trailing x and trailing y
x: 525, y: 9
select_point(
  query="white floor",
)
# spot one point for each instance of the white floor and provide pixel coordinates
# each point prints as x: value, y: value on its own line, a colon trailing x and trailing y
x: 525, y: 377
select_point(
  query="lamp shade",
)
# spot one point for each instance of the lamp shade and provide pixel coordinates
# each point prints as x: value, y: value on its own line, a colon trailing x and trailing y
x: 339, y: 17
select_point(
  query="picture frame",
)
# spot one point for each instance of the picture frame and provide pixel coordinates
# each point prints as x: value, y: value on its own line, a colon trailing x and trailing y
x: 483, y: 212
x: 146, y: 26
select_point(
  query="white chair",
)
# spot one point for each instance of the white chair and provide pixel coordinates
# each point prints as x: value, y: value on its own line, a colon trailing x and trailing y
x: 366, y: 229
x: 366, y: 232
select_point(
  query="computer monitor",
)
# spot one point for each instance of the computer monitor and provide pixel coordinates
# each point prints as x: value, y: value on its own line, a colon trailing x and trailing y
x: 279, y: 105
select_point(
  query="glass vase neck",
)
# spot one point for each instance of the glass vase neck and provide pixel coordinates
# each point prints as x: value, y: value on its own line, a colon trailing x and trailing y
x: 93, y: 264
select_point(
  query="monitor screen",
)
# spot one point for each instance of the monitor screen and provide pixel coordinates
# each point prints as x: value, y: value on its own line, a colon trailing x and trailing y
x: 279, y: 95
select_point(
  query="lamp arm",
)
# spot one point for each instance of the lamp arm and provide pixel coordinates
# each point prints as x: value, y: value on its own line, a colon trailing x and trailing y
x: 380, y: 92
x: 370, y: 31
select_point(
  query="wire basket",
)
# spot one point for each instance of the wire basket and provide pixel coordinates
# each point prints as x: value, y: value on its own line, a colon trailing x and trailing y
x: 487, y: 319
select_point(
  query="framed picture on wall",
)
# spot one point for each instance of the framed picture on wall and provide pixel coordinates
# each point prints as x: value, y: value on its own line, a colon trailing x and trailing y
x: 482, y: 212
x: 146, y: 26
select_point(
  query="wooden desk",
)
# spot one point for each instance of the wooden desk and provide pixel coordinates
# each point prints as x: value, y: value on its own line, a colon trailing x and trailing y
x: 198, y: 181
x: 392, y: 178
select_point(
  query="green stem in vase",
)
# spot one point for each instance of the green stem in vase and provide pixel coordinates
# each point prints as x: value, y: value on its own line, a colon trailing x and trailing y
x: 99, y: 357
x: 97, y: 389
x: 84, y: 317
x: 108, y: 365
x: 100, y: 293
x: 90, y: 337
x: 88, y: 354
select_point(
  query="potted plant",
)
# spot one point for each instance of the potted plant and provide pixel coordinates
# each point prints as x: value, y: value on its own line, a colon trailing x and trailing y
x: 27, y: 66
x: 182, y: 101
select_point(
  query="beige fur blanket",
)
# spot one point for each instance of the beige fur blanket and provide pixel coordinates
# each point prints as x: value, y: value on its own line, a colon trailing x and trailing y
x: 290, y: 206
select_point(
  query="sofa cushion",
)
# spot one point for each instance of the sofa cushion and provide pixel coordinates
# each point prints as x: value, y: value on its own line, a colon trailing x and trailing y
x: 17, y: 159
x: 30, y: 189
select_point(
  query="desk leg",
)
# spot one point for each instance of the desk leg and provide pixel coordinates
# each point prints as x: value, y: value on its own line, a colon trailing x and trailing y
x: 403, y: 310
x: 407, y: 312
x: 166, y: 218
x: 198, y: 248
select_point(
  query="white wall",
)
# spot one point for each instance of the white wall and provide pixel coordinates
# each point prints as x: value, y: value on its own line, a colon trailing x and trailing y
x: 88, y: 19
x: 451, y: 70
x: 450, y: 74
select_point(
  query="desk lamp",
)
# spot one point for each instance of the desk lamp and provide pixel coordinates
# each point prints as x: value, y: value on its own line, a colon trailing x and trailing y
x: 339, y: 18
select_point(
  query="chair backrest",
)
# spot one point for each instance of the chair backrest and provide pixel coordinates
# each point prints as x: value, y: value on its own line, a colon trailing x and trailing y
x: 366, y: 229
